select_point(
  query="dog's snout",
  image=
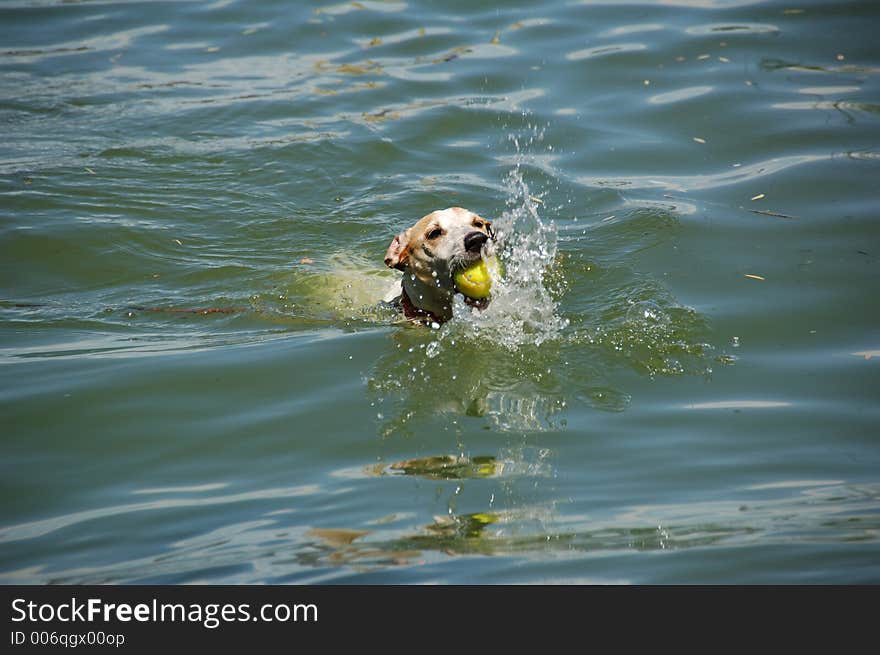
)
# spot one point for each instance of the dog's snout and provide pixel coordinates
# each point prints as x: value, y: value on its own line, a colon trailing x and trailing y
x: 473, y: 241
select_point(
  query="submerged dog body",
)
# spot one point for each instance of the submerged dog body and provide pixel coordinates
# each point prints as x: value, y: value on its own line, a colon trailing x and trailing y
x: 429, y: 254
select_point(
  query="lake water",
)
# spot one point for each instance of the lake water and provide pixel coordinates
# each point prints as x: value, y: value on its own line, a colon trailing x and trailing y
x: 677, y: 381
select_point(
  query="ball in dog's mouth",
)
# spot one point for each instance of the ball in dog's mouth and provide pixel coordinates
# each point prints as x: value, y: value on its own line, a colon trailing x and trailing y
x: 475, y: 280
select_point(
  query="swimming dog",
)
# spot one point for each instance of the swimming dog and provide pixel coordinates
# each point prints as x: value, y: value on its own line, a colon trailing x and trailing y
x: 429, y: 253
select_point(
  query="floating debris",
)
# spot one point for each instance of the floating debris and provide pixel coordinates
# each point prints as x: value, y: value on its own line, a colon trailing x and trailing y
x: 336, y: 536
x: 754, y: 277
x: 378, y: 117
x: 760, y: 196
x: 306, y: 260
x: 699, y: 139
x: 769, y: 213
x: 369, y: 67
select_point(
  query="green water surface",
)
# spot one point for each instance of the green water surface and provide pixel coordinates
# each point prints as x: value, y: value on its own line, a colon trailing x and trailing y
x: 680, y: 386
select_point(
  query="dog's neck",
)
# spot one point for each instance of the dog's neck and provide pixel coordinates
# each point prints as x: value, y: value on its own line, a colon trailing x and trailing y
x: 431, y: 299
x: 427, y: 317
x: 414, y: 313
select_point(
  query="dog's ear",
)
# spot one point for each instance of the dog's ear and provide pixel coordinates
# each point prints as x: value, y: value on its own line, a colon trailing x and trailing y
x: 397, y: 255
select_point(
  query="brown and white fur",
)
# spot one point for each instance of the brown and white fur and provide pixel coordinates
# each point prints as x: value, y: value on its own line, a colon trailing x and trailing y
x: 429, y: 254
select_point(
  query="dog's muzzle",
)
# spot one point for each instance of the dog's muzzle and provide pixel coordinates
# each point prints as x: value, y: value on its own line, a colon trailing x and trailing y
x: 473, y: 241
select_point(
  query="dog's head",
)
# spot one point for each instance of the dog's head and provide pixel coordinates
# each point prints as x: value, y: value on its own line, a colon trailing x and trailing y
x: 431, y: 251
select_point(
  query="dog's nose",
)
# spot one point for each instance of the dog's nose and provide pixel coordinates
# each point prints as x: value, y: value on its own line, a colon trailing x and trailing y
x: 473, y: 241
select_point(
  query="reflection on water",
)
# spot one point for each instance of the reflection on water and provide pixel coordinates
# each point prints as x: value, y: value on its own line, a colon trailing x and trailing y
x: 276, y: 547
x: 460, y: 378
x: 509, y: 463
x: 533, y: 529
x: 444, y: 467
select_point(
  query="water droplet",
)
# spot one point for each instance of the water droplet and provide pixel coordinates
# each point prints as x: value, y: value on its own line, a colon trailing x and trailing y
x: 646, y: 312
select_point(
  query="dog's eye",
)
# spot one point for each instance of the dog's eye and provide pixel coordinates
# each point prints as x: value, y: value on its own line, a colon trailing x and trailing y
x: 436, y: 232
x: 479, y: 224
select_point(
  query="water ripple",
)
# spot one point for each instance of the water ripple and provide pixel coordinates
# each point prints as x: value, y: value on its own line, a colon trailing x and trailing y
x: 601, y: 51
x: 41, y: 528
x: 727, y: 29
x: 680, y: 94
x: 116, y: 41
x: 703, y: 181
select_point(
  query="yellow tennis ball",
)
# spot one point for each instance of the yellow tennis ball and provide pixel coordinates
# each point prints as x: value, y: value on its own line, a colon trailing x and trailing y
x: 475, y: 281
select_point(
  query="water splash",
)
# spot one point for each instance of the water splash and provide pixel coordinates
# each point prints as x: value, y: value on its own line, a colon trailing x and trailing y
x: 555, y: 327
x: 658, y: 337
x: 496, y: 363
x: 523, y: 310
